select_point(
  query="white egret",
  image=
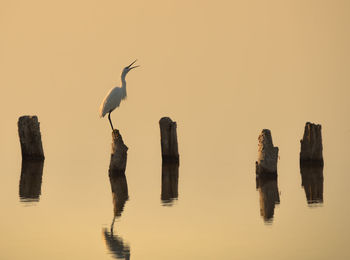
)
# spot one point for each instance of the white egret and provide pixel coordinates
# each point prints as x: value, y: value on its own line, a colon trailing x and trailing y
x: 115, y: 96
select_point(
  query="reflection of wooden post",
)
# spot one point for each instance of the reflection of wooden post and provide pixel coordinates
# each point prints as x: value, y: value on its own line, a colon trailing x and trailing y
x: 119, y: 188
x: 119, y: 154
x: 311, y: 145
x: 269, y: 196
x: 30, y: 138
x: 168, y: 137
x: 312, y: 181
x: 267, y: 154
x: 31, y: 178
x: 170, y: 180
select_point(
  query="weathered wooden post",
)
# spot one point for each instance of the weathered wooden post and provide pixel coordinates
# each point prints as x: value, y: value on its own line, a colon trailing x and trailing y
x: 267, y: 155
x: 30, y: 138
x: 119, y: 154
x: 311, y: 163
x: 168, y: 138
x: 117, y: 176
x: 170, y: 160
x: 31, y: 179
x: 311, y: 145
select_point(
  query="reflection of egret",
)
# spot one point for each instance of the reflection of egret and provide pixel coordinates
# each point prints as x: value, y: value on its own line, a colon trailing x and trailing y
x: 115, y: 96
x: 116, y: 244
x: 120, y: 195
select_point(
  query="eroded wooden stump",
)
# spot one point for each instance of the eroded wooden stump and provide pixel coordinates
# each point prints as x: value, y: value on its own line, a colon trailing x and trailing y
x: 311, y: 145
x: 168, y: 137
x: 267, y: 155
x: 30, y: 138
x: 119, y: 154
x: 117, y: 176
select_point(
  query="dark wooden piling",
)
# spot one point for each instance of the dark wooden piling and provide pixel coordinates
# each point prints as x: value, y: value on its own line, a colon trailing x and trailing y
x: 117, y: 176
x: 31, y: 179
x: 170, y: 181
x: 119, y: 154
x: 30, y: 138
x: 311, y: 145
x: 168, y: 137
x: 267, y: 155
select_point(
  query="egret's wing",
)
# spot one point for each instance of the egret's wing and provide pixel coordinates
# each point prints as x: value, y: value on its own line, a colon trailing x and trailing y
x: 111, y: 101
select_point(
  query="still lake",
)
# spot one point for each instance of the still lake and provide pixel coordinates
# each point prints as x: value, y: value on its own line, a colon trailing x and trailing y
x: 221, y: 211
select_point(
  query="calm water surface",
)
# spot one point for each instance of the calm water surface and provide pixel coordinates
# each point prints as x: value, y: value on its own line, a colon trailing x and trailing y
x: 211, y: 206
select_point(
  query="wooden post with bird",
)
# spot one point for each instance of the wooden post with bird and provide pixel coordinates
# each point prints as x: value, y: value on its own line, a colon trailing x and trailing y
x: 119, y: 154
x: 30, y: 138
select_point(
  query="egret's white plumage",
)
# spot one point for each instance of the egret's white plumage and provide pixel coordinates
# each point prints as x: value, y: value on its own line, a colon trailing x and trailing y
x: 112, y: 100
x: 115, y: 96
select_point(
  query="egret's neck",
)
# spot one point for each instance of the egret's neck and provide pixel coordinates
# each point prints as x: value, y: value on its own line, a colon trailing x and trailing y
x: 123, y: 85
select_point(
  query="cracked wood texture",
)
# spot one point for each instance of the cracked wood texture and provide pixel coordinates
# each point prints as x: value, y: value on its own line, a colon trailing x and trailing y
x: 30, y: 138
x: 168, y: 139
x: 311, y: 145
x: 119, y: 154
x: 267, y: 154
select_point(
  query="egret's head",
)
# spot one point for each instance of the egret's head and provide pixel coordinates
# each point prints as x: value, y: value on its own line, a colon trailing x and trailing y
x: 128, y: 68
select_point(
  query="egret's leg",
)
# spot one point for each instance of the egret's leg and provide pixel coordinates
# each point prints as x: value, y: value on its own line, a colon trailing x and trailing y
x: 112, y: 226
x: 110, y: 121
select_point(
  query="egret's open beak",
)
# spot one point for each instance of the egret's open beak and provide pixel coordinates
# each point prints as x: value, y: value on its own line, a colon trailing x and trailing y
x: 130, y: 68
